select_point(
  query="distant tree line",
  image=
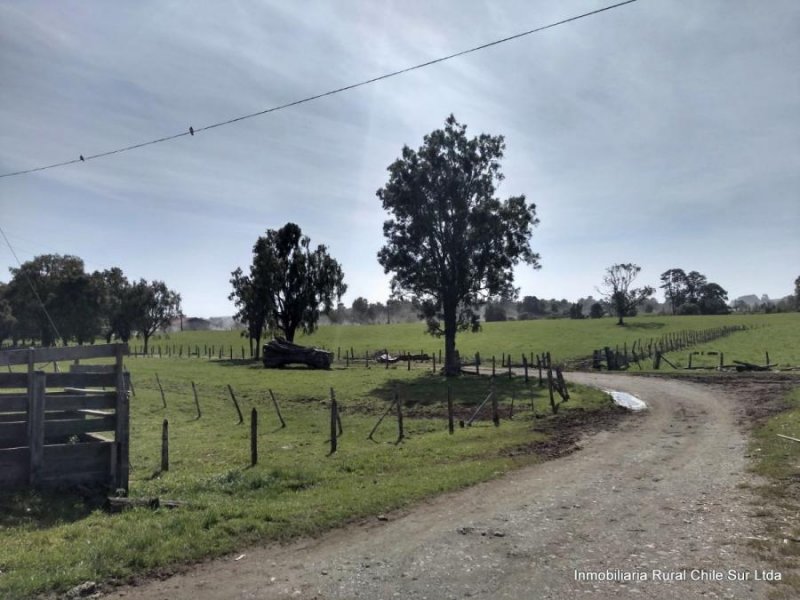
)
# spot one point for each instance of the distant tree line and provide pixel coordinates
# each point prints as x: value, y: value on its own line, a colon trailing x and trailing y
x: 52, y: 299
x: 692, y: 294
x: 364, y: 312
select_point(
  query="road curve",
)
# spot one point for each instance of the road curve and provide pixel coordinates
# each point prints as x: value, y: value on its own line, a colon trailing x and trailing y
x: 659, y: 496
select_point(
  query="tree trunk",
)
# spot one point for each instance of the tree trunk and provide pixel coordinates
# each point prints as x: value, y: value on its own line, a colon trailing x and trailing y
x: 146, y: 337
x: 451, y: 366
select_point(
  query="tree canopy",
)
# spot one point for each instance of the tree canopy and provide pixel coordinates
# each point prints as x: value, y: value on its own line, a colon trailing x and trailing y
x: 291, y: 283
x: 692, y: 293
x: 617, y: 289
x: 75, y: 305
x: 450, y: 242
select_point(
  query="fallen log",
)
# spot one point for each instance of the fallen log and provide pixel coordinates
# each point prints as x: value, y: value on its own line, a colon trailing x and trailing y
x: 119, y: 504
x: 746, y: 366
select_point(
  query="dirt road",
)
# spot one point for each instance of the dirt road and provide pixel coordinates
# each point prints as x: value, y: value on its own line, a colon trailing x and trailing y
x: 657, y: 496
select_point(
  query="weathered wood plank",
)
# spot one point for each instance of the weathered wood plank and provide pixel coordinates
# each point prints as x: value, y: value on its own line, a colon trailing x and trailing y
x: 13, y: 416
x: 67, y: 427
x: 81, y: 380
x: 13, y: 434
x: 36, y: 426
x: 95, y: 401
x: 122, y: 423
x: 14, y: 467
x: 13, y: 402
x: 61, y: 380
x: 71, y: 459
x: 20, y: 357
x: 91, y: 368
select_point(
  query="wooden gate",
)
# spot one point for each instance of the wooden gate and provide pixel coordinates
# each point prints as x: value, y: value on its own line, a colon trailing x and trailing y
x: 64, y: 429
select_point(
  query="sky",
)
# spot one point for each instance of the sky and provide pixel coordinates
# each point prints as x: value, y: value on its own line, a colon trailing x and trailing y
x: 664, y: 133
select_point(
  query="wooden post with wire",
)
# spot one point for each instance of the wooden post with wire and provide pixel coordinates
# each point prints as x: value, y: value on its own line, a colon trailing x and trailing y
x: 165, y: 446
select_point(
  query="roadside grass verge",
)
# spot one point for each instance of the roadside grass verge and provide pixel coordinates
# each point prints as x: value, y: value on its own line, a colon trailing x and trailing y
x: 53, y: 541
x: 777, y: 460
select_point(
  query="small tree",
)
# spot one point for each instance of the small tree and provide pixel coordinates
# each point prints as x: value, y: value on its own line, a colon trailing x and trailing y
x: 596, y: 311
x: 576, y: 311
x: 156, y: 307
x: 713, y: 300
x: 360, y: 310
x: 673, y: 282
x: 294, y: 282
x: 617, y: 289
x: 450, y: 242
x: 252, y: 309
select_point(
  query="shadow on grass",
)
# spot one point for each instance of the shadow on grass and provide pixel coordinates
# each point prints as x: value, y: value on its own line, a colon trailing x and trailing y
x: 43, y: 509
x: 255, y: 363
x: 466, y: 390
x: 644, y: 325
x: 250, y: 363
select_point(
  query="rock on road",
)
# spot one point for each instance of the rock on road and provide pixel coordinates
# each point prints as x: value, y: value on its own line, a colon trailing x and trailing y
x: 659, y: 494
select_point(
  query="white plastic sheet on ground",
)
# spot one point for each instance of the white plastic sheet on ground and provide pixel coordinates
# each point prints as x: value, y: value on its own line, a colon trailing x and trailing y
x: 627, y: 400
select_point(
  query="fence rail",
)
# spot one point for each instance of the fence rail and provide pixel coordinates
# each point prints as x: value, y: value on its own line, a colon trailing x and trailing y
x: 50, y: 423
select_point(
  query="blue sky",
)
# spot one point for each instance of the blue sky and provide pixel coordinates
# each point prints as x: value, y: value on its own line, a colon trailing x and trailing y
x: 664, y: 133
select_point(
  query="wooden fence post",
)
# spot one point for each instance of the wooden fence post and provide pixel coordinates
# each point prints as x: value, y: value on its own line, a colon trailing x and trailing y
x: 130, y: 382
x: 450, y: 424
x: 37, y: 388
x: 539, y: 366
x: 253, y: 437
x: 334, y: 422
x: 165, y: 446
x: 122, y: 432
x: 161, y: 389
x: 400, y: 431
x: 196, y: 401
x: 236, y: 404
x: 495, y: 409
x: 553, y: 405
x: 277, y: 409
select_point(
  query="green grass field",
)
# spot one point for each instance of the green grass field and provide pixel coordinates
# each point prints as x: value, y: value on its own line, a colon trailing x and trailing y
x: 565, y: 339
x: 52, y: 542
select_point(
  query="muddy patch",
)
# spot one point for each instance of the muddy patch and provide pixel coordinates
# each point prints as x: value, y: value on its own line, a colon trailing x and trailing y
x: 565, y: 432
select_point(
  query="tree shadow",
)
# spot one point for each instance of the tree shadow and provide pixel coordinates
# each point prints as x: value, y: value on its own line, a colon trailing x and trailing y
x: 644, y: 325
x: 250, y: 363
x: 430, y: 389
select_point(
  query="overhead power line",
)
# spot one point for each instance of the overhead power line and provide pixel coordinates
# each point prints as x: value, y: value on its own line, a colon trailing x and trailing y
x: 193, y: 130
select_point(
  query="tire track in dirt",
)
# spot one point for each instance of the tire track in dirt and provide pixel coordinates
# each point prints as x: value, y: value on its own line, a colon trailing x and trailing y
x: 658, y: 492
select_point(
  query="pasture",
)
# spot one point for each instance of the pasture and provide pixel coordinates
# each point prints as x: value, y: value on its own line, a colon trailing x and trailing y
x: 52, y: 541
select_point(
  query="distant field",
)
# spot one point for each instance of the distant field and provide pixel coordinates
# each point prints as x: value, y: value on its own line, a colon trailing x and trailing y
x: 565, y: 339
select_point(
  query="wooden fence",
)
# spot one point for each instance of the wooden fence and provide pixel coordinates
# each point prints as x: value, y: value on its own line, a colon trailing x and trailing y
x: 52, y: 425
